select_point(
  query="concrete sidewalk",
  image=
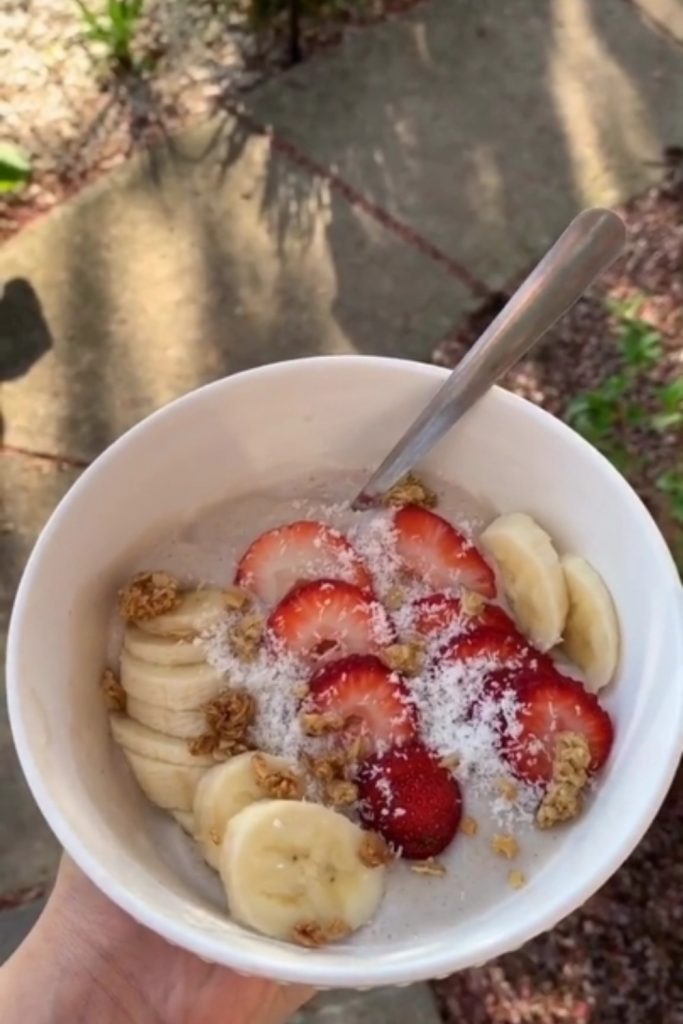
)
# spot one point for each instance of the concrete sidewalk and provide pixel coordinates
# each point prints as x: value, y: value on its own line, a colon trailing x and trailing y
x: 485, y: 126
x: 212, y: 254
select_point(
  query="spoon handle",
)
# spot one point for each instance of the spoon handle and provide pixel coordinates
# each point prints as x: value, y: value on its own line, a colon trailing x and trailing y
x: 590, y: 243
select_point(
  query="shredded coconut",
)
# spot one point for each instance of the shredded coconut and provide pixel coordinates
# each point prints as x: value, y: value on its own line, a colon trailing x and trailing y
x: 461, y: 721
x: 374, y: 538
x: 272, y: 678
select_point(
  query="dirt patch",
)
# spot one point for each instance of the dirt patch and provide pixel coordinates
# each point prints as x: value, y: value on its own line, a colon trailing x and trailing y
x: 61, y: 103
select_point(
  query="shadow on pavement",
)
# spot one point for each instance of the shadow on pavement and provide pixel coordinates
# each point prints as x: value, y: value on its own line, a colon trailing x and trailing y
x: 24, y: 332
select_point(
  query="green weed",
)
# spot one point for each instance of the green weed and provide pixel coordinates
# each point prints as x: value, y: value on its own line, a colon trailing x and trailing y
x: 617, y: 415
x: 115, y: 29
x: 15, y: 168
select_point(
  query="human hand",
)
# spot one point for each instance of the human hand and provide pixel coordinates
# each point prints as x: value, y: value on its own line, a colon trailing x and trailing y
x: 87, y: 961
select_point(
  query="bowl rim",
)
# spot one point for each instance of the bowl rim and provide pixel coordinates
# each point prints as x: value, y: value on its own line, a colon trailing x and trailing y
x: 293, y: 965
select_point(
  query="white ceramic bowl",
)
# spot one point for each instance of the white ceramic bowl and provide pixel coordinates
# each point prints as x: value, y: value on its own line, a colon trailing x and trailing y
x: 268, y: 425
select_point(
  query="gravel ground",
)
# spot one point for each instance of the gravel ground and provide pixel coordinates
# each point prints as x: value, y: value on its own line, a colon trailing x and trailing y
x: 61, y: 103
x: 619, y: 959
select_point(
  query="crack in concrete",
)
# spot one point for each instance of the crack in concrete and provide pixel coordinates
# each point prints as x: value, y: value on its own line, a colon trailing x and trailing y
x: 656, y: 23
x: 354, y: 197
x: 12, y: 900
x: 60, y: 461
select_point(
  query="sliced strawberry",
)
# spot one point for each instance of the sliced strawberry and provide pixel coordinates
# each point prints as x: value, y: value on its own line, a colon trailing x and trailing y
x: 287, y: 555
x: 434, y: 551
x: 439, y: 613
x: 551, y: 705
x: 370, y: 700
x: 488, y: 664
x: 497, y: 650
x: 516, y: 677
x: 411, y: 800
x: 330, y: 618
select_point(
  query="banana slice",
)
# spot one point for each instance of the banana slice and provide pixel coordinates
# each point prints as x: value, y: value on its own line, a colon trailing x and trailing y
x: 161, y: 650
x: 289, y: 866
x: 176, y: 687
x: 183, y: 724
x: 532, y: 576
x: 591, y: 635
x: 171, y: 786
x: 196, y: 611
x: 186, y: 821
x: 140, y: 740
x: 224, y: 791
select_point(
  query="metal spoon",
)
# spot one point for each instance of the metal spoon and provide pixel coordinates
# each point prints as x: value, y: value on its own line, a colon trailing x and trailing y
x: 590, y: 243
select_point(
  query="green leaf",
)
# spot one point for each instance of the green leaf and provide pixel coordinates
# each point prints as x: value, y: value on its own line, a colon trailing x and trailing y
x: 613, y: 387
x: 634, y: 415
x: 576, y: 407
x: 592, y: 415
x: 15, y: 167
x: 90, y: 19
x: 619, y: 457
x: 667, y: 420
x: 117, y: 17
x: 671, y: 395
x: 626, y: 309
x: 671, y: 482
x: 641, y: 344
x: 115, y: 28
x: 99, y: 35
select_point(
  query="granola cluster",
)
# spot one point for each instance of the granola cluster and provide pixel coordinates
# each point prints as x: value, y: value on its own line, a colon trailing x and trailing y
x: 564, y: 797
x: 410, y: 491
x: 407, y: 658
x: 331, y: 771
x: 394, y: 598
x: 236, y: 599
x: 315, y: 934
x: 315, y: 723
x: 508, y: 789
x: 277, y: 782
x: 147, y: 595
x: 228, y: 718
x: 431, y: 867
x: 328, y: 767
x: 373, y: 852
x: 114, y: 693
x: 505, y: 846
x: 341, y: 793
x: 450, y: 762
x: 472, y: 603
x: 246, y: 636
